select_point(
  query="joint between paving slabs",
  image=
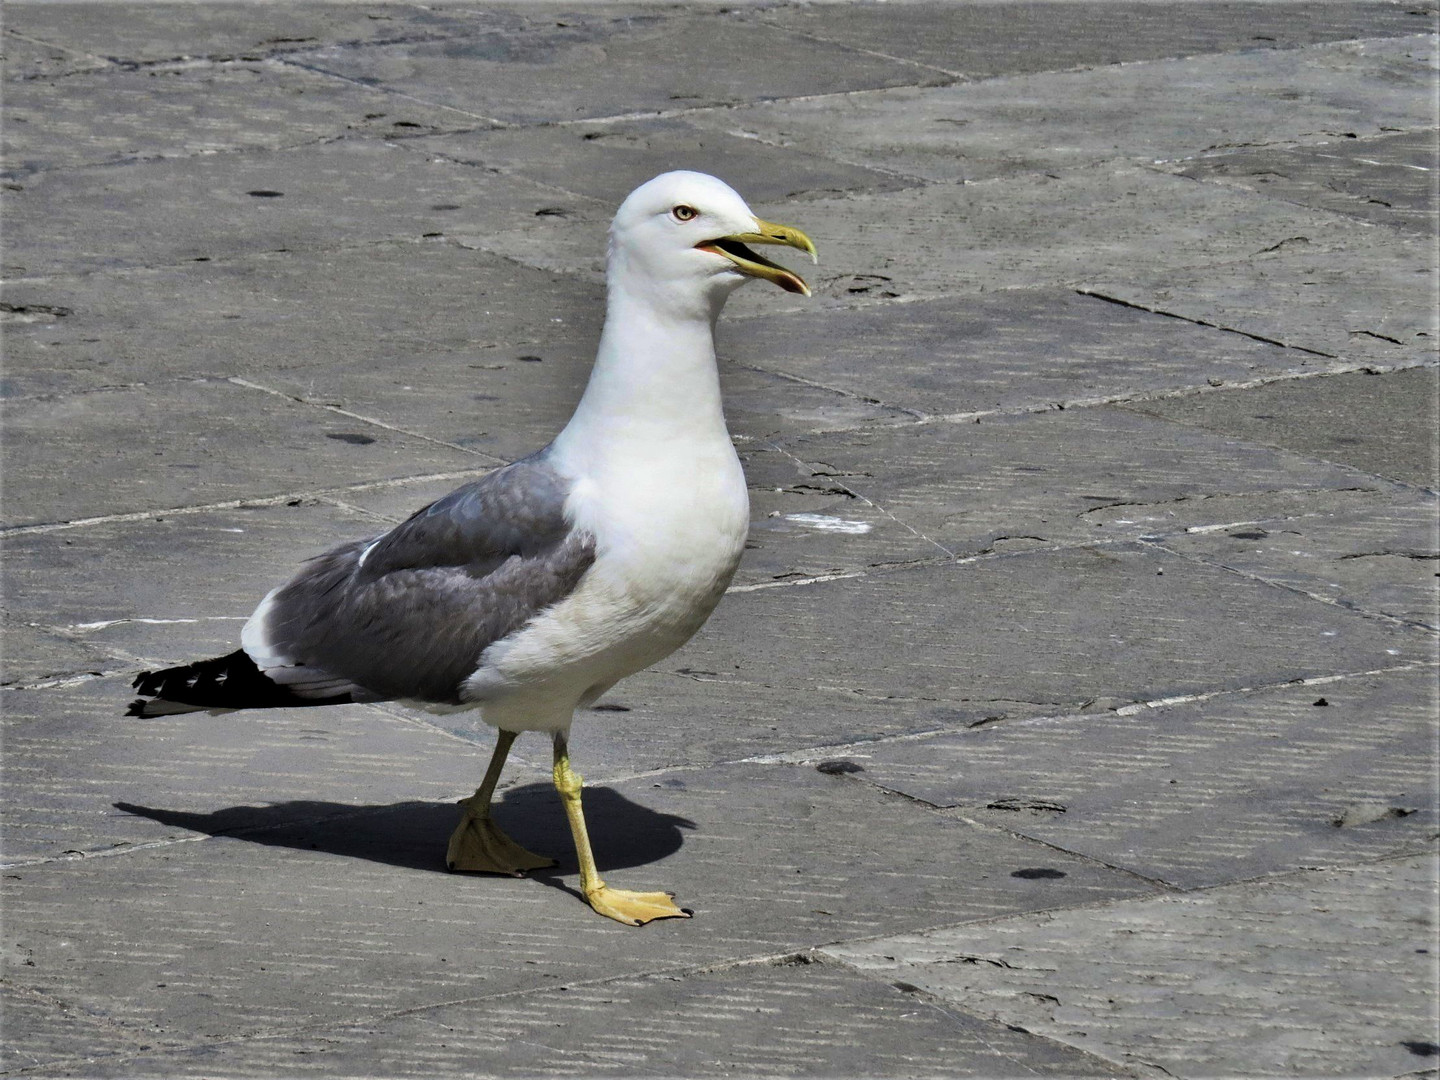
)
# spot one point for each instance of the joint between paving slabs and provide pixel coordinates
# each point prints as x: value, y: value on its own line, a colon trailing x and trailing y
x: 349, y: 415
x: 1159, y: 545
x: 973, y: 1022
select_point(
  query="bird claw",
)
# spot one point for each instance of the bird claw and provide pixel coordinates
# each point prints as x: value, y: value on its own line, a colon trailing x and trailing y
x: 634, y: 908
x: 478, y: 845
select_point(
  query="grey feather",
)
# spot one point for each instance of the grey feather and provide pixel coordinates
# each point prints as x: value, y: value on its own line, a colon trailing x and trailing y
x: 411, y: 618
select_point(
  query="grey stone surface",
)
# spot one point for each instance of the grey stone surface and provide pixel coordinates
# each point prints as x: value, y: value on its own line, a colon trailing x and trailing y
x: 1387, y: 179
x: 342, y: 193
x: 1309, y: 973
x: 597, y: 64
x: 1160, y: 521
x: 1188, y: 794
x: 1011, y: 483
x: 187, y: 111
x: 945, y: 239
x: 1381, y: 424
x: 261, y: 768
x: 1009, y: 349
x: 1371, y: 304
x: 397, y: 306
x: 1144, y: 113
x: 606, y: 161
x: 230, y: 440
x: 1054, y: 628
x: 1383, y: 560
x: 151, y: 33
x: 983, y: 41
x: 359, y: 921
x: 796, y: 1014
x: 36, y: 655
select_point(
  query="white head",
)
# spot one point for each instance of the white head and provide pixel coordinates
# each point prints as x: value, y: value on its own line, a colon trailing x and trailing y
x: 680, y: 239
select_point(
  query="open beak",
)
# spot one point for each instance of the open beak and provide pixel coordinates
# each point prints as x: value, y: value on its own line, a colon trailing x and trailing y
x: 756, y: 265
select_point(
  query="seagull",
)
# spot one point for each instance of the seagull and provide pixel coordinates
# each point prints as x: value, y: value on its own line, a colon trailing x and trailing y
x: 529, y: 593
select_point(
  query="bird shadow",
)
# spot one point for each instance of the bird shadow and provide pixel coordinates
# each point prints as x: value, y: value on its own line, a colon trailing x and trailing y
x: 413, y: 835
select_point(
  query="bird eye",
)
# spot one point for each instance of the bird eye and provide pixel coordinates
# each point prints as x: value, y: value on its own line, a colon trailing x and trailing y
x: 685, y: 213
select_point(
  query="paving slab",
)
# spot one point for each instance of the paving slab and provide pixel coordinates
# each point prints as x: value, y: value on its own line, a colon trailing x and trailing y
x: 1129, y: 112
x: 333, y: 922
x: 348, y: 192
x: 606, y: 161
x: 1321, y: 974
x: 112, y: 117
x: 515, y: 399
x: 983, y: 41
x: 1010, y: 349
x: 1192, y: 794
x: 315, y: 763
x: 49, y: 1023
x: 24, y: 58
x: 186, y: 583
x: 35, y: 655
x: 591, y: 65
x: 1096, y: 224
x: 1372, y: 303
x: 1383, y: 560
x: 1009, y: 483
x: 1387, y: 179
x: 190, y: 442
x: 1384, y: 424
x: 400, y: 305
x: 152, y: 33
x: 1055, y: 628
x: 796, y: 1015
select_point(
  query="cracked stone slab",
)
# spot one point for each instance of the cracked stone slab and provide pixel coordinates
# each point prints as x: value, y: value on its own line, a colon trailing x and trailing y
x: 75, y: 762
x: 34, y: 655
x: 1373, y: 302
x: 591, y: 64
x: 241, y: 935
x: 1384, y: 424
x: 1011, y: 483
x: 797, y: 1015
x: 1011, y: 349
x: 512, y: 400
x: 1388, y: 179
x: 606, y: 161
x: 186, y: 583
x: 1025, y: 232
x: 50, y: 1023
x: 353, y: 191
x: 1056, y: 628
x: 114, y: 117
x: 1384, y: 560
x: 1137, y: 112
x: 983, y: 41
x: 1316, y: 974
x: 397, y: 306
x: 1200, y: 794
x: 190, y: 442
x: 22, y: 59
x: 1037, y: 230
x: 153, y: 33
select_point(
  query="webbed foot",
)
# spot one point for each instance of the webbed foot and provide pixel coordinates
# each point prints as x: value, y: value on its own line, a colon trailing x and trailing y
x: 634, y: 908
x: 480, y: 846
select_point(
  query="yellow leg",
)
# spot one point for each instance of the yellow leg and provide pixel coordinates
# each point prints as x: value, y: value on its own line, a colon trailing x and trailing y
x: 631, y: 908
x: 479, y: 844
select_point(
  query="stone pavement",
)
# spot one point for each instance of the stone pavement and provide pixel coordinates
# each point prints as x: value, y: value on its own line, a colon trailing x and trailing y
x: 1074, y: 712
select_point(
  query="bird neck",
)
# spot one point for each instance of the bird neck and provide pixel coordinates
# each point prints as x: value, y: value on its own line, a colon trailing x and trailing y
x: 654, y: 381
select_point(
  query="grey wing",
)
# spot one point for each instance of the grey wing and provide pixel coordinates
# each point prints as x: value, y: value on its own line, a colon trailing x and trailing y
x: 407, y: 614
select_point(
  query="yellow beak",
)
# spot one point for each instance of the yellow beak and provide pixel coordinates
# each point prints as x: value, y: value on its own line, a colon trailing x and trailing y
x: 749, y: 262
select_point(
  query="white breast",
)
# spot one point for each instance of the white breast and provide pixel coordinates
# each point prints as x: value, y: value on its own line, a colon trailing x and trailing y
x: 669, y: 529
